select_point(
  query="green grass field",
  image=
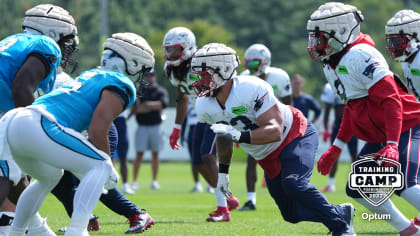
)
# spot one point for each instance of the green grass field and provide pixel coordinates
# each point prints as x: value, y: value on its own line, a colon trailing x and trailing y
x: 178, y: 212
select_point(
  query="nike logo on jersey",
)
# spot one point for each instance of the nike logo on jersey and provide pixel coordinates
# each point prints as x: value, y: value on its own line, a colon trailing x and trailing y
x: 368, y: 59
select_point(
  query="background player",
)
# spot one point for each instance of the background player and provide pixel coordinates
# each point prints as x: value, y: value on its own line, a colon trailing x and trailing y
x: 331, y: 100
x: 29, y: 61
x: 378, y: 108
x: 257, y: 61
x: 46, y: 137
x: 276, y: 135
x: 179, y: 46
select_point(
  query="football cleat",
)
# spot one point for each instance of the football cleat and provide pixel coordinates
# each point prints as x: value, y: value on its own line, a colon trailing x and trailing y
x: 248, y: 206
x: 412, y: 230
x: 210, y: 189
x: 92, y: 226
x: 197, y: 189
x: 42, y: 230
x: 6, y: 219
x: 328, y: 188
x: 154, y: 185
x: 140, y: 222
x: 135, y: 186
x: 126, y: 189
x: 220, y: 215
x: 233, y: 203
x: 416, y: 221
x: 348, y: 216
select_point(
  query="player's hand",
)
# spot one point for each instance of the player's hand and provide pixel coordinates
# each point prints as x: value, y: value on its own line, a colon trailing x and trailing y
x: 326, y: 135
x: 226, y: 129
x: 222, y: 185
x: 173, y: 138
x: 112, y: 180
x: 390, y: 151
x: 328, y: 159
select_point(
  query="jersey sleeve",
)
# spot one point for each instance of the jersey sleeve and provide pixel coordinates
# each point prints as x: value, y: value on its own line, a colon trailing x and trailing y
x: 50, y: 51
x: 263, y: 98
x: 368, y: 66
x: 125, y: 88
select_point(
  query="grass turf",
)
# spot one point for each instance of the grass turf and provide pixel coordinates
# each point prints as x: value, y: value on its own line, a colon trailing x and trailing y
x: 178, y: 212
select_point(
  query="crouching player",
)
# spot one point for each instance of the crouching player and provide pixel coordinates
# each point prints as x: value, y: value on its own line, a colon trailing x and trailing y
x: 245, y: 110
x: 45, y: 138
x: 378, y: 108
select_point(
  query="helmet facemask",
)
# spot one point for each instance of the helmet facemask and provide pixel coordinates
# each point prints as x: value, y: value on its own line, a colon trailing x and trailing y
x: 205, y: 81
x: 322, y: 45
x: 254, y: 66
x: 173, y: 54
x: 401, y: 46
x: 68, y: 46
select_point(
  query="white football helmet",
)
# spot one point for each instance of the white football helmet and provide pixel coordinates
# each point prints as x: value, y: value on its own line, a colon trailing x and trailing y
x: 56, y: 23
x: 178, y: 45
x: 134, y: 50
x: 402, y: 35
x: 212, y: 66
x: 332, y: 27
x: 257, y: 59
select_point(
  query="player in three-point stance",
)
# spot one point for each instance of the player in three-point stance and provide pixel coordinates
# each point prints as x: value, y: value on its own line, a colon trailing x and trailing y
x: 179, y: 46
x: 45, y: 138
x: 29, y: 61
x: 378, y: 108
x: 279, y: 137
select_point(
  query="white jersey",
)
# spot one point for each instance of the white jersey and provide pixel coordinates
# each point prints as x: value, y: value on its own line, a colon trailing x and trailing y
x: 329, y: 97
x: 412, y: 74
x: 192, y: 118
x: 359, y: 69
x: 278, y: 79
x: 248, y: 99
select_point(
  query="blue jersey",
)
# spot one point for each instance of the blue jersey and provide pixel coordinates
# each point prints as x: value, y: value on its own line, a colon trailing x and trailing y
x: 74, y: 103
x: 13, y: 52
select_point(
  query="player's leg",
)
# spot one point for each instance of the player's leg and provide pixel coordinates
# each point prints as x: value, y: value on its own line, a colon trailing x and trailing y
x: 7, y: 208
x: 297, y: 161
x: 156, y: 145
x: 331, y: 178
x: 197, y: 185
x: 353, y: 148
x: 31, y: 135
x: 397, y: 219
x: 251, y: 179
x: 122, y: 148
x: 141, y: 146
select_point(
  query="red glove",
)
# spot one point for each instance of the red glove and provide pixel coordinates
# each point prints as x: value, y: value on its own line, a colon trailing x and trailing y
x: 326, y: 135
x: 173, y: 139
x: 390, y: 151
x: 328, y: 159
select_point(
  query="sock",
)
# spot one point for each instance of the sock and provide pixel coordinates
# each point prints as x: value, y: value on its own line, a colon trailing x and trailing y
x: 252, y: 196
x: 412, y: 196
x: 398, y: 220
x: 220, y: 198
x: 35, y: 221
x: 331, y: 181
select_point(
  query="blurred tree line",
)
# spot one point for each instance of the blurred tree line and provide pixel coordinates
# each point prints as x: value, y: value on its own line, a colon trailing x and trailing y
x: 280, y: 25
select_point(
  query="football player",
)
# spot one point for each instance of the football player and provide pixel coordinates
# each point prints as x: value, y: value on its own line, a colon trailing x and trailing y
x: 257, y: 62
x: 403, y: 43
x: 378, y: 108
x: 245, y: 110
x: 331, y: 100
x: 179, y: 46
x: 45, y: 138
x: 65, y: 190
x: 29, y: 61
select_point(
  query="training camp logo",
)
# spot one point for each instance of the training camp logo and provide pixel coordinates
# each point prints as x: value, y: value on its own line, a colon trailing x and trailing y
x: 375, y: 182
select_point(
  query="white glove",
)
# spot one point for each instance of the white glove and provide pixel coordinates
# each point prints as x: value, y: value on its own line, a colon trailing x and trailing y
x: 112, y: 180
x: 222, y: 185
x: 226, y: 129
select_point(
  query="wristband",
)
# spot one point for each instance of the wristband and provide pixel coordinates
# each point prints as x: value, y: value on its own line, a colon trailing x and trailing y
x: 223, y: 168
x: 245, y: 137
x: 339, y: 143
x: 393, y: 142
x: 177, y: 126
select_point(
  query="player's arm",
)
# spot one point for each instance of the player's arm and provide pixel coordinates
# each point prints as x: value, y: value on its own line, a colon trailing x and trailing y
x: 34, y: 70
x: 224, y: 147
x: 270, y: 127
x: 316, y: 108
x: 181, y: 113
x: 109, y: 107
x: 327, y: 115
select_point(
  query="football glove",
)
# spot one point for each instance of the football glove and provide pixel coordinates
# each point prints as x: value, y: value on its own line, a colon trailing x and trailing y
x: 222, y: 185
x: 112, y: 180
x: 325, y: 135
x: 328, y: 159
x: 226, y: 129
x: 390, y: 151
x: 173, y: 138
